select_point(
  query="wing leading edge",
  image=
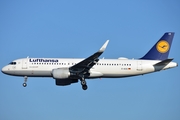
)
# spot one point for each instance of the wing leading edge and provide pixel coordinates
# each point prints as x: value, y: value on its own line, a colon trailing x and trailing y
x: 82, y: 68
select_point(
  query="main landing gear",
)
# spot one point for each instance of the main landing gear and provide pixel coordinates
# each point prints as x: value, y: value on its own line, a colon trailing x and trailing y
x: 25, y: 81
x: 83, y: 83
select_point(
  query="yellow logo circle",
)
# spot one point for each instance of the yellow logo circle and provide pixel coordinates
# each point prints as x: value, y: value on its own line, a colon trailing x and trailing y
x: 162, y: 46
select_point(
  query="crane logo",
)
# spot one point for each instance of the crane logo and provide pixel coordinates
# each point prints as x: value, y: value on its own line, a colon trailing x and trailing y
x: 162, y: 46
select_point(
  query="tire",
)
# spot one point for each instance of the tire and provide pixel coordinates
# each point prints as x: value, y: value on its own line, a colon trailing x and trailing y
x: 24, y: 84
x: 84, y: 87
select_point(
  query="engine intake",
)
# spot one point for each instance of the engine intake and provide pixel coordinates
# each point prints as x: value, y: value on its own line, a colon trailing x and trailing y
x: 61, y: 73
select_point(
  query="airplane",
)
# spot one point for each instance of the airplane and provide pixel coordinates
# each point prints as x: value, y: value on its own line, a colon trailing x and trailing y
x: 66, y: 71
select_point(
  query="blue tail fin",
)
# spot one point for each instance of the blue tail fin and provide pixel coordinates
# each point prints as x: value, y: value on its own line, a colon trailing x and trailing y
x: 160, y: 50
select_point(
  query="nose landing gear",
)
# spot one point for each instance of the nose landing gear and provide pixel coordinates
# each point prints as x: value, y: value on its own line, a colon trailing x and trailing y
x: 25, y: 80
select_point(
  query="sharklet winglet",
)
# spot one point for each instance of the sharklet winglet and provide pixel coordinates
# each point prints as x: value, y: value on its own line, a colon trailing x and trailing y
x: 104, y: 46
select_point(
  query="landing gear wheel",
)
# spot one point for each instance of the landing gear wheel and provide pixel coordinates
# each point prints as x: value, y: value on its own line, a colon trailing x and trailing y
x: 83, y: 82
x: 84, y: 87
x: 24, y: 84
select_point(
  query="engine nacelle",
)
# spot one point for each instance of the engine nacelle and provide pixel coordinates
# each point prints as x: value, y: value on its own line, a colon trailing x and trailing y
x: 61, y: 73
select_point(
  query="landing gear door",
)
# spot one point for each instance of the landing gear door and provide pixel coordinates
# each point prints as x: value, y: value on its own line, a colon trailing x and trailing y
x: 24, y: 63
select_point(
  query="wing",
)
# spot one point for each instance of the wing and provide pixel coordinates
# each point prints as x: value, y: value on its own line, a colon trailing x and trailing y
x: 82, y: 68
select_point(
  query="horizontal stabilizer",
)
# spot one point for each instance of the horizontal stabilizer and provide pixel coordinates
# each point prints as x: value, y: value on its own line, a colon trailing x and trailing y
x: 164, y: 62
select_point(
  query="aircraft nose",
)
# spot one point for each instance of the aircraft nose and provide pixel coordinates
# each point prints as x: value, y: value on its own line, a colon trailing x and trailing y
x: 4, y: 70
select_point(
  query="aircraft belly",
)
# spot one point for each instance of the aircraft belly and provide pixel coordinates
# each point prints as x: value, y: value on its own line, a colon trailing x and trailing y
x: 95, y: 74
x: 40, y: 73
x: 118, y: 72
x: 31, y: 73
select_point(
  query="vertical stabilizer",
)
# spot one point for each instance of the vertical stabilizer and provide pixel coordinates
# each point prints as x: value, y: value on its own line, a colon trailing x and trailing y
x: 160, y: 50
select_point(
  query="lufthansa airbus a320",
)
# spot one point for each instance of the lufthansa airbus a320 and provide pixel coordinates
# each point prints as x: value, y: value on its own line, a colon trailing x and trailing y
x: 66, y: 71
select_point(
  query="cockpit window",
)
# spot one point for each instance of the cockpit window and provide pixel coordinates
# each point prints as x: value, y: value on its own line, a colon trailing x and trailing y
x: 12, y: 63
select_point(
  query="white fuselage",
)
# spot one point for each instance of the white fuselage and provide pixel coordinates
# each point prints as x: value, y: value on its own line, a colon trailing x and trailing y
x: 104, y: 68
x: 66, y: 71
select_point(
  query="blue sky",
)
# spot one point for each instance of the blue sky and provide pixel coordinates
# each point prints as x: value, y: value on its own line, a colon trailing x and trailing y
x: 78, y: 29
